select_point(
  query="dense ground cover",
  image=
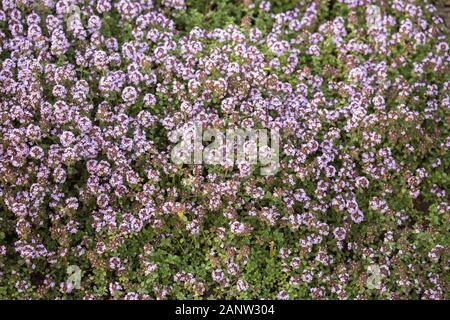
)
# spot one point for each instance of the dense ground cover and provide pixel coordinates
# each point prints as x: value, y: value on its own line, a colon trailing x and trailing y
x: 92, y: 207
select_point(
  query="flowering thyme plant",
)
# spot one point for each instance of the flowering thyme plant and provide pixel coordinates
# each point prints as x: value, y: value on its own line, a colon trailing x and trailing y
x: 93, y: 207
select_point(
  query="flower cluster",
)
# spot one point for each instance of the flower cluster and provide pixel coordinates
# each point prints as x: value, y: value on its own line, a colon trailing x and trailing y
x: 91, y: 90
